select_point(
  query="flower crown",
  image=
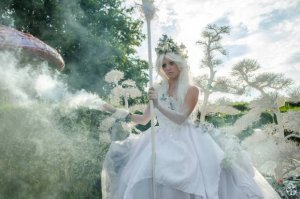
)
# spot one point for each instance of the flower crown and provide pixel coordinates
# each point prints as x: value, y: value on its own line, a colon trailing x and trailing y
x: 167, y: 45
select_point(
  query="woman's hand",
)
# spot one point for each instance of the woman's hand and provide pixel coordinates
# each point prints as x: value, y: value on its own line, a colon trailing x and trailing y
x: 118, y: 113
x: 153, y: 95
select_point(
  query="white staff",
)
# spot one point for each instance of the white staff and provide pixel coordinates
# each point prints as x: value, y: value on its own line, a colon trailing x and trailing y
x: 149, y: 10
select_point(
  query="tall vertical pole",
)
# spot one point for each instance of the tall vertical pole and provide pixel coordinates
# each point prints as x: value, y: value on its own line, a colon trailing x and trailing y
x: 152, y: 110
x: 149, y: 10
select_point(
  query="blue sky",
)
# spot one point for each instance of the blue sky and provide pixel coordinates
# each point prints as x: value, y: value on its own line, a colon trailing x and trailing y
x: 266, y: 30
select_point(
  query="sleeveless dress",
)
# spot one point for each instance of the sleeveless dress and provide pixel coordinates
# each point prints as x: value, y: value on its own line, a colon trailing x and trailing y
x: 192, y: 162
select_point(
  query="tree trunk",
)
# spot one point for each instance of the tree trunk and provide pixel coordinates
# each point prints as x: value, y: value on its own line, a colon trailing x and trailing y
x: 204, y: 105
x: 279, y: 123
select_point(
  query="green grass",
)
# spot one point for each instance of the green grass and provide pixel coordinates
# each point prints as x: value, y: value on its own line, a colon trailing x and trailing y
x: 289, y: 108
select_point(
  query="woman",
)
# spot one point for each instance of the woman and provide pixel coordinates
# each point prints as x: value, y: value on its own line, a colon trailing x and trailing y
x: 189, y: 162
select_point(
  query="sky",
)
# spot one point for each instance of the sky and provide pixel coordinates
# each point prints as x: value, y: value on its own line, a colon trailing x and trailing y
x: 265, y: 30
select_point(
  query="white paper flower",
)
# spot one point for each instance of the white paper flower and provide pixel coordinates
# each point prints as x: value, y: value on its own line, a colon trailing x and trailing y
x: 133, y: 92
x: 129, y: 82
x: 114, y: 76
x: 118, y: 91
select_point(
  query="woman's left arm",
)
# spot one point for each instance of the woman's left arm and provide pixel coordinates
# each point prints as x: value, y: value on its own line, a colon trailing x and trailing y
x: 189, y: 104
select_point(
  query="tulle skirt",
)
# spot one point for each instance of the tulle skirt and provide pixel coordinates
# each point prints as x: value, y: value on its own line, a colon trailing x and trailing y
x: 191, y: 163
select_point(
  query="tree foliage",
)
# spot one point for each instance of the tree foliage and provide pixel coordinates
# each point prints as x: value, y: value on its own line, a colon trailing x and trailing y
x: 93, y: 36
x: 246, y: 70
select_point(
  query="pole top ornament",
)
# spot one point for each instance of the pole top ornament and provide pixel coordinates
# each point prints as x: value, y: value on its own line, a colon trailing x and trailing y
x: 148, y: 9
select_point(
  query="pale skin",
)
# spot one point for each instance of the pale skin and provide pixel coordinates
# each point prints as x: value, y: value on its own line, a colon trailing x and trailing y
x: 172, y: 72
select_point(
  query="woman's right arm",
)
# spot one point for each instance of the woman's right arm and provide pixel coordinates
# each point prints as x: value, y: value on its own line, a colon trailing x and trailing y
x: 135, y: 118
x: 142, y: 119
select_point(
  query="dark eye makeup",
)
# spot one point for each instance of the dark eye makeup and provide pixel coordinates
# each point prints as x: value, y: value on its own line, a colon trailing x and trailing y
x: 171, y: 63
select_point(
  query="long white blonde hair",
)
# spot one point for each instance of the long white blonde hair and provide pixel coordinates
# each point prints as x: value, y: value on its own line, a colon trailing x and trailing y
x: 184, y: 80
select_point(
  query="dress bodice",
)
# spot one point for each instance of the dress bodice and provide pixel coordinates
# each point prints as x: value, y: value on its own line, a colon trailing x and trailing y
x: 173, y: 105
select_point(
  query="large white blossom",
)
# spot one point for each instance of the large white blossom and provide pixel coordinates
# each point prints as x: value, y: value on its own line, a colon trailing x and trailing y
x: 122, y: 89
x: 118, y: 91
x: 114, y: 76
x: 128, y: 83
x: 133, y: 92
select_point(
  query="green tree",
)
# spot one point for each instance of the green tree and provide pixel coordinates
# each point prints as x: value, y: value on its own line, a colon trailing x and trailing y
x: 93, y: 36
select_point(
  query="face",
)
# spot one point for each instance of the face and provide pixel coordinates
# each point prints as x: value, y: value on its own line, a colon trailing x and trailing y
x: 171, y: 69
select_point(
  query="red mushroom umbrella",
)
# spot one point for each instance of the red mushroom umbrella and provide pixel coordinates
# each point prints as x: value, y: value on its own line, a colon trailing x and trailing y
x: 13, y: 39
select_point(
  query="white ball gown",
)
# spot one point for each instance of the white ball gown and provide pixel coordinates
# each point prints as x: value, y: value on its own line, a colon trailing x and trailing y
x: 192, y: 162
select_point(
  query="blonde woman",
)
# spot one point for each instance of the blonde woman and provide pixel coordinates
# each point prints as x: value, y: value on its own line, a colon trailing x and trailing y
x: 190, y: 163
